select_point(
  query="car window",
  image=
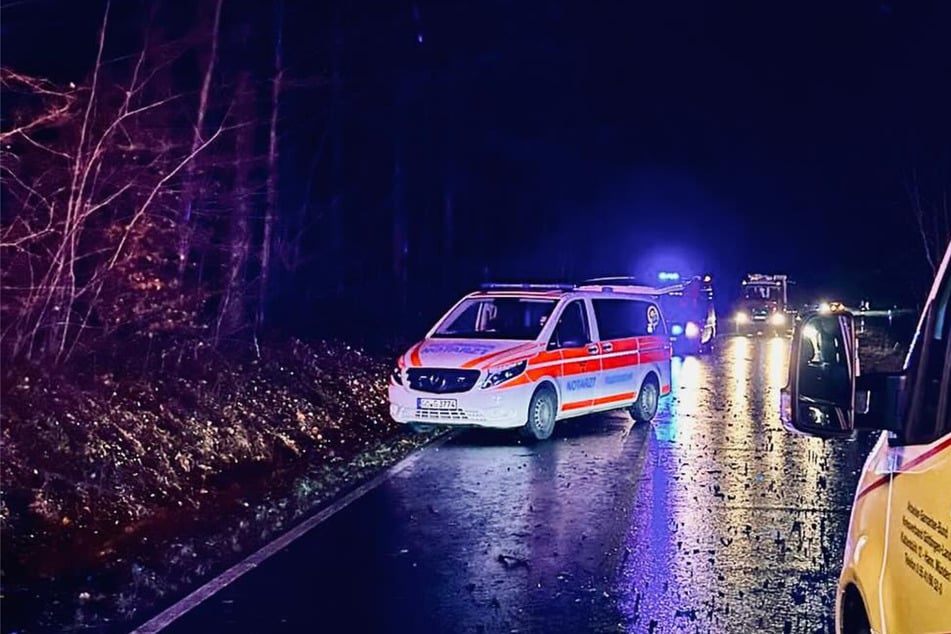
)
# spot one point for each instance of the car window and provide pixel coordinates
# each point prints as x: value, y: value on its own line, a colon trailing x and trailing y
x: 517, y: 318
x: 572, y: 328
x: 929, y: 418
x: 622, y: 318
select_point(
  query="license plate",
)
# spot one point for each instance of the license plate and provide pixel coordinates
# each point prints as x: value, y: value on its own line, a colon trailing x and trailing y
x: 436, y: 403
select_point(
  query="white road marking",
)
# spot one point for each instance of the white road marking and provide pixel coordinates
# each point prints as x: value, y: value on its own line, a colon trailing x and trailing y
x: 199, y: 596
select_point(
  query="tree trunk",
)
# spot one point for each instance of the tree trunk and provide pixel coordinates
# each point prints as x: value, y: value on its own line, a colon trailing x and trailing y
x: 232, y: 315
x: 336, y: 228
x: 270, y: 213
x: 400, y: 238
x: 190, y: 182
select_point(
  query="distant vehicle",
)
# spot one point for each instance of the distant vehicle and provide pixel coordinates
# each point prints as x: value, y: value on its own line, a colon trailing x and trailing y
x: 823, y: 307
x: 691, y: 313
x: 763, y: 306
x: 896, y: 575
x: 525, y: 356
x: 687, y: 304
x: 831, y: 307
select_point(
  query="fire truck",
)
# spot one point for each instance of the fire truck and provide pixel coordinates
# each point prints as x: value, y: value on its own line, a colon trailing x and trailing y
x: 763, y: 307
x: 687, y: 305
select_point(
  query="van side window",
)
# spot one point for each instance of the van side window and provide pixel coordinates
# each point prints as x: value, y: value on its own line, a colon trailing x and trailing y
x: 572, y: 330
x: 622, y: 318
x: 931, y: 373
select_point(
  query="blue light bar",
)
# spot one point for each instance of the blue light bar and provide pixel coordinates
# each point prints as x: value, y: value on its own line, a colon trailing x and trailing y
x: 668, y: 276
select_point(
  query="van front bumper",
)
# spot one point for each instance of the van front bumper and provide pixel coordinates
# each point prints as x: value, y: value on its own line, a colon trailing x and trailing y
x: 504, y: 408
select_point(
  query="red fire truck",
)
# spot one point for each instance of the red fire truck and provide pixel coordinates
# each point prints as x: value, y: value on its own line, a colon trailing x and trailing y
x: 763, y: 306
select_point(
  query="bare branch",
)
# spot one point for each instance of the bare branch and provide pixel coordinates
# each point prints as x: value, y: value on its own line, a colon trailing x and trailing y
x: 45, y: 148
x: 914, y: 193
x: 37, y: 86
x: 141, y: 211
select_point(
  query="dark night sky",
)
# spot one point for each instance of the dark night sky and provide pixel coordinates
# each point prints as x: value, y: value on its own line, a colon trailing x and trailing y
x: 587, y: 138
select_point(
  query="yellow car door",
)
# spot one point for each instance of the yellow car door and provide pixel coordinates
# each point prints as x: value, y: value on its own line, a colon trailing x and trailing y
x: 915, y: 583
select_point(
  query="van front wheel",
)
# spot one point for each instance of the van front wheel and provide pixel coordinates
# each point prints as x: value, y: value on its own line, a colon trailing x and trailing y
x: 541, y: 414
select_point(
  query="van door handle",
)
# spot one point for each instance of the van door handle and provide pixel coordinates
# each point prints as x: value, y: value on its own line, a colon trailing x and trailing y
x: 607, y: 347
x: 592, y: 348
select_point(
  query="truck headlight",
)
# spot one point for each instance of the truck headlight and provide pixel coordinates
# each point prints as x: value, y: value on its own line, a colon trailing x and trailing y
x: 742, y: 318
x: 503, y: 374
x: 397, y: 375
x: 692, y: 330
x: 777, y: 319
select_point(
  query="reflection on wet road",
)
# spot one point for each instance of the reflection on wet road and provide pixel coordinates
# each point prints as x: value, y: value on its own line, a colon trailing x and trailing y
x: 711, y: 519
x: 744, y: 523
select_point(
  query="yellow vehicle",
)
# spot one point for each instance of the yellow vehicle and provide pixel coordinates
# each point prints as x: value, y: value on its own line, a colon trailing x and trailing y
x: 896, y: 573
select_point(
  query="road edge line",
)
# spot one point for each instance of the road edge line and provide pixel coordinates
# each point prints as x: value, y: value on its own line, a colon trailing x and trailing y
x: 195, y: 598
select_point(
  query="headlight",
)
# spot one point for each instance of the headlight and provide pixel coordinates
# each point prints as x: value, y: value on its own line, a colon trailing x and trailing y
x: 503, y: 374
x: 397, y: 375
x: 676, y: 330
x: 742, y: 318
x: 692, y: 330
x: 777, y: 319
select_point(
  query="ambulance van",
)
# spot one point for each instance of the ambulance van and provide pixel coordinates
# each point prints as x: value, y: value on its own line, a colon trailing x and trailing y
x: 525, y: 356
x: 896, y: 574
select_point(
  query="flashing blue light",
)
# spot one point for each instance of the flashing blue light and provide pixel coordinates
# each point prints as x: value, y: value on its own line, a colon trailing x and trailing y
x: 668, y: 276
x: 676, y: 330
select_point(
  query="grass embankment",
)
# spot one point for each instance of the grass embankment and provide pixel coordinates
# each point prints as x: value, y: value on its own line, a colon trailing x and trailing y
x: 124, y: 486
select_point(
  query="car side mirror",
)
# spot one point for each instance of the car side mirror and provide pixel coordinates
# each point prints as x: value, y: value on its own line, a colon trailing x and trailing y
x: 819, y: 397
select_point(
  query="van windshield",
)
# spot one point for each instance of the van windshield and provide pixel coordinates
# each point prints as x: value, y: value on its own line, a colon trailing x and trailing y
x: 519, y: 318
x: 761, y: 292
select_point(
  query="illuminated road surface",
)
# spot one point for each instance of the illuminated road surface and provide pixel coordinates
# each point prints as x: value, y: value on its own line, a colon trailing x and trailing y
x: 712, y: 519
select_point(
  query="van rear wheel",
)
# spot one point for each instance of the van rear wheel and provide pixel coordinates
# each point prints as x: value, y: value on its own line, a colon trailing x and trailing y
x: 645, y: 407
x: 541, y: 415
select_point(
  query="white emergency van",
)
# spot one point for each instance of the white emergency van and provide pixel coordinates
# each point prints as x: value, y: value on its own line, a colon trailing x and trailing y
x: 525, y: 356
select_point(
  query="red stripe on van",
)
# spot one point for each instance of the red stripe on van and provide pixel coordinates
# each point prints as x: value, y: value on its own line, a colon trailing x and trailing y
x: 914, y: 462
x: 576, y: 405
x: 414, y: 358
x: 622, y: 345
x: 655, y: 355
x: 604, y: 400
x: 622, y: 361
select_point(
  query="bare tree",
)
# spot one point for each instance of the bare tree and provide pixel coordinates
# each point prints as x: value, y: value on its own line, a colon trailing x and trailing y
x: 932, y: 219
x: 232, y: 311
x: 270, y: 213
x: 90, y: 173
x: 191, y: 185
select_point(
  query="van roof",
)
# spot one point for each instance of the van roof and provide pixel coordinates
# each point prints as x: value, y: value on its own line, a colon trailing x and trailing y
x: 590, y: 290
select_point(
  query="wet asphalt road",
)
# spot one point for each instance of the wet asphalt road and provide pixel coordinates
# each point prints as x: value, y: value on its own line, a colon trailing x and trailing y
x: 711, y: 519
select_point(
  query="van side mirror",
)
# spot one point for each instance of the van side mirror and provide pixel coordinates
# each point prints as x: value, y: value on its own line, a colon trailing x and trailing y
x: 819, y: 397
